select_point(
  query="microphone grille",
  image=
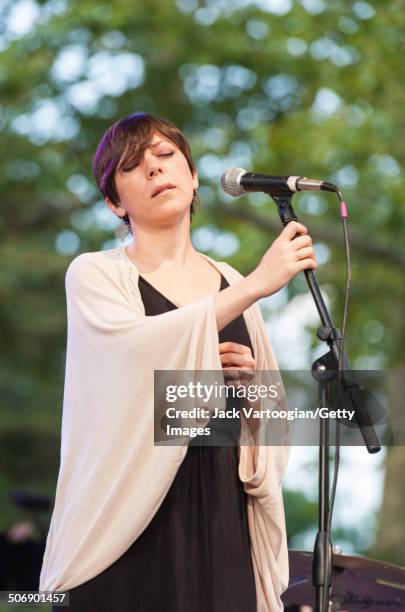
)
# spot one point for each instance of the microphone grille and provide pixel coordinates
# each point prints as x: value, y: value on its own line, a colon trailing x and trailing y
x: 230, y: 181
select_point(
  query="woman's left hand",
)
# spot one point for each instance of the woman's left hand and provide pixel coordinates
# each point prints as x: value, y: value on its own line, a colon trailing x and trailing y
x: 237, y: 360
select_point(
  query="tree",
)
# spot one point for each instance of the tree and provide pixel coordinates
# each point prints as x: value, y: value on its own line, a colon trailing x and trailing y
x: 309, y: 88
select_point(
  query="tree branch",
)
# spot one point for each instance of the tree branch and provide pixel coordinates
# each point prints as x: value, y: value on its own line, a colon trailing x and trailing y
x: 330, y: 235
x: 48, y: 214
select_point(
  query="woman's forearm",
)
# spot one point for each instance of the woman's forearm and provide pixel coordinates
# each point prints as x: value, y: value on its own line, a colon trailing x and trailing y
x: 289, y: 254
x: 232, y: 301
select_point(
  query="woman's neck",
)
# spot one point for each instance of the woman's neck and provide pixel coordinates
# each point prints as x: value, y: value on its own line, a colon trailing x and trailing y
x: 162, y: 248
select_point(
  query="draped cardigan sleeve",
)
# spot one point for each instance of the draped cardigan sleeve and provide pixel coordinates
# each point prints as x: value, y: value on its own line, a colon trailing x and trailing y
x: 112, y: 478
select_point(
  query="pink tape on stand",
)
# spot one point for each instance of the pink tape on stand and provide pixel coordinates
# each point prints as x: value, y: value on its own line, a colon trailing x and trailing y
x: 343, y: 209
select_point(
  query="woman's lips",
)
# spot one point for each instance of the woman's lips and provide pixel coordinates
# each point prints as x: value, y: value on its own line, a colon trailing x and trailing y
x: 162, y: 189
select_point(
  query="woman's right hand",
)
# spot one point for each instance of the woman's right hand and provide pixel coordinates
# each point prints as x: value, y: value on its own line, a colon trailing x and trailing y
x: 290, y: 253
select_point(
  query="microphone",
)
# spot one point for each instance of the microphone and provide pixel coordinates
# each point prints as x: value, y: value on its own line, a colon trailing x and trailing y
x: 237, y: 181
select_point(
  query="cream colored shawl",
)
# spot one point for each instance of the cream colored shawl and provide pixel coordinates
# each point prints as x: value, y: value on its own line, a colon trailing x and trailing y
x: 112, y: 479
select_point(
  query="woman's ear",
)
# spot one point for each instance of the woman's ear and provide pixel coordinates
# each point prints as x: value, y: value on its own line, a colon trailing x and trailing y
x: 117, y: 209
x: 195, y: 179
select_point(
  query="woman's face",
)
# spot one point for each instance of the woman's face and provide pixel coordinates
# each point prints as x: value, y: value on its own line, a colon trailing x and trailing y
x: 160, y: 189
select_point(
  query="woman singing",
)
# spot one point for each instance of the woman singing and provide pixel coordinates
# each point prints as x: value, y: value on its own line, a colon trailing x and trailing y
x: 137, y: 526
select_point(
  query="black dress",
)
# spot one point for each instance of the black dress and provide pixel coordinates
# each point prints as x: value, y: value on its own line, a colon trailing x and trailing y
x: 194, y: 556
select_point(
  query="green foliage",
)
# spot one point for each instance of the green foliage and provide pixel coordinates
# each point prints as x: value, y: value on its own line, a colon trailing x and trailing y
x: 300, y: 513
x: 313, y: 91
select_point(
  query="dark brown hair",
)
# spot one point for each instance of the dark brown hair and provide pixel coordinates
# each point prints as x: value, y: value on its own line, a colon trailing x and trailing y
x: 123, y: 146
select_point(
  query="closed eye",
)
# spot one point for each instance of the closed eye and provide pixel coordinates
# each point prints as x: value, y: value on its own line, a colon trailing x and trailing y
x: 129, y: 168
x: 134, y: 165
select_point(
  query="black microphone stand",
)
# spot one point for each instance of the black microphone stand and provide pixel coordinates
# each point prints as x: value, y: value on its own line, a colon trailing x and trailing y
x: 325, y: 370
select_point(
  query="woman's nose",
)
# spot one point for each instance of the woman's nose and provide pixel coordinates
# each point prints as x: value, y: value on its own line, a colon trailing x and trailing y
x: 154, y: 170
x: 152, y: 166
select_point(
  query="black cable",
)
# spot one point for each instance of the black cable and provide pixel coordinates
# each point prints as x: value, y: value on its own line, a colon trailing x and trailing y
x: 343, y: 210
